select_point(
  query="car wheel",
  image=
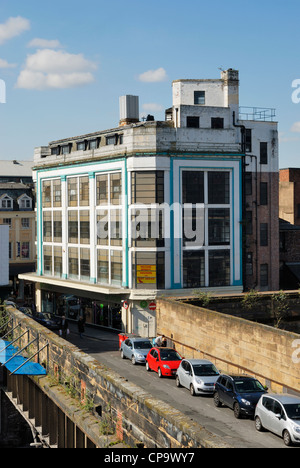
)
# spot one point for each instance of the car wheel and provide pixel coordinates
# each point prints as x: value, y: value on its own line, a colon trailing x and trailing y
x: 287, y: 438
x: 178, y: 382
x: 237, y: 411
x: 258, y: 424
x: 133, y: 360
x: 159, y: 373
x: 217, y: 400
x: 122, y: 355
x: 192, y: 390
x: 148, y: 367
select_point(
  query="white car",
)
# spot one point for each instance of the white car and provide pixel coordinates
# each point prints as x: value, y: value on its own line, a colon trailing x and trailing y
x: 198, y: 375
x: 279, y: 414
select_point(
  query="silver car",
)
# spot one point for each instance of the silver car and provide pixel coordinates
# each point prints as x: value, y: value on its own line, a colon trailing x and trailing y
x: 198, y: 375
x: 136, y: 349
x: 279, y: 414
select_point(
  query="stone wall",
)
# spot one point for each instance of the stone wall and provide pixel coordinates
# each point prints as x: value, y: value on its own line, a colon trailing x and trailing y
x: 135, y: 416
x: 232, y: 343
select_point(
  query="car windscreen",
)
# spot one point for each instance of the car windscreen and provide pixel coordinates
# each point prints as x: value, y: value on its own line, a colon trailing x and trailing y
x: 248, y: 386
x: 170, y: 355
x: 142, y: 345
x: 293, y: 411
x: 205, y: 370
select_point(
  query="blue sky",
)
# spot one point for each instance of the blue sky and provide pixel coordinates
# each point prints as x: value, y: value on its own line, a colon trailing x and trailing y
x: 65, y: 63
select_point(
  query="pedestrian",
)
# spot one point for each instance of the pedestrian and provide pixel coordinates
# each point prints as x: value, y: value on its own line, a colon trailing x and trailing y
x: 80, y: 325
x: 159, y: 340
x: 64, y: 327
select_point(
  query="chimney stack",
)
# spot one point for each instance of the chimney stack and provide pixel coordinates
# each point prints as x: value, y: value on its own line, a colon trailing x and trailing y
x: 129, y: 110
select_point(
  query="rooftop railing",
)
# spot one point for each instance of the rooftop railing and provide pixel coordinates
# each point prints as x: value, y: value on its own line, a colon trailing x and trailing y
x: 259, y: 114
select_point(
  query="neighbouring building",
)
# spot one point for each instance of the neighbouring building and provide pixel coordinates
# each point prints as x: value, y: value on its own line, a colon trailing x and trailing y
x: 289, y: 213
x: 158, y: 207
x: 17, y: 211
x: 4, y: 262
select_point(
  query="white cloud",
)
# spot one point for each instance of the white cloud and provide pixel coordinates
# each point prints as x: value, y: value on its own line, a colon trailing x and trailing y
x: 53, y: 69
x: 154, y: 76
x: 12, y: 28
x: 296, y: 127
x: 39, y: 43
x: 5, y: 64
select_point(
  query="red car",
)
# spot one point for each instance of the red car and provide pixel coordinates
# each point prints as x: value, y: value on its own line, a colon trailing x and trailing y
x: 164, y: 361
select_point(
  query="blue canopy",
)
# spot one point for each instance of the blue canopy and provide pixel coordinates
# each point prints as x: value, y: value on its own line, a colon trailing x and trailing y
x: 18, y: 365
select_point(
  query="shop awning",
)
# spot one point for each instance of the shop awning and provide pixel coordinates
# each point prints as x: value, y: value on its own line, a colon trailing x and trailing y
x: 15, y: 363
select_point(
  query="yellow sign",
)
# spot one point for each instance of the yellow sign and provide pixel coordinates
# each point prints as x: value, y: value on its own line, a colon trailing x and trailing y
x: 146, y: 274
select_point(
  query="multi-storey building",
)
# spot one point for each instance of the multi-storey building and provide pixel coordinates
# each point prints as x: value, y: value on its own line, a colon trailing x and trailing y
x: 17, y: 211
x: 153, y: 207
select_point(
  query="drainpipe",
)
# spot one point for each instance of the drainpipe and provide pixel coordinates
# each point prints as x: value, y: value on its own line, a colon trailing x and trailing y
x: 243, y: 150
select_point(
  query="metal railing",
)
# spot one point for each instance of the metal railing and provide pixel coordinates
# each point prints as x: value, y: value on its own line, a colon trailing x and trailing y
x: 259, y: 114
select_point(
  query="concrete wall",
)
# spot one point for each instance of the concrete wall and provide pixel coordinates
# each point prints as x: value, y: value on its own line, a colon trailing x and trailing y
x: 136, y: 415
x: 233, y: 344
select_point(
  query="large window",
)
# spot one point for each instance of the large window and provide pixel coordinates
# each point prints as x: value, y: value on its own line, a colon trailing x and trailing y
x: 206, y: 224
x: 148, y: 270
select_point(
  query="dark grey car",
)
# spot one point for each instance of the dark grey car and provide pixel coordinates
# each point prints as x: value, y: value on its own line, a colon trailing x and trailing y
x: 136, y: 349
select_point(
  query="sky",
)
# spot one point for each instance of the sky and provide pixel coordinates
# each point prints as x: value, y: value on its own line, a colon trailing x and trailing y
x: 65, y: 63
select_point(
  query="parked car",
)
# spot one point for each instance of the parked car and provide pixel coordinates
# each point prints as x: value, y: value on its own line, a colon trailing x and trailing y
x: 164, y: 361
x: 135, y: 349
x: 239, y: 392
x: 47, y: 320
x: 198, y: 375
x: 279, y: 414
x: 26, y: 311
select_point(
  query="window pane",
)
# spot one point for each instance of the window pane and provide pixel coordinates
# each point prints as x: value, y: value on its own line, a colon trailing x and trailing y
x: 102, y: 228
x: 47, y: 226
x: 73, y: 227
x: 57, y: 193
x: 46, y: 194
x: 193, y: 187
x: 84, y: 227
x: 115, y: 227
x: 73, y: 263
x: 72, y: 192
x: 219, y: 226
x: 103, y: 266
x: 116, y: 267
x: 84, y: 195
x: 85, y: 264
x: 57, y: 261
x: 193, y: 269
x: 115, y: 189
x: 199, y: 98
x: 57, y: 226
x: 47, y: 260
x: 145, y: 265
x: 263, y: 234
x: 219, y: 268
x: 218, y: 188
x: 102, y: 190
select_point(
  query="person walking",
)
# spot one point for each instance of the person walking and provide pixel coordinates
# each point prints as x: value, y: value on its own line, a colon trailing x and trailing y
x: 64, y: 327
x: 80, y: 325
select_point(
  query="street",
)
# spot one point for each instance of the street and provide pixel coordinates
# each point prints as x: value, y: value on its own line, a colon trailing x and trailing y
x: 104, y: 347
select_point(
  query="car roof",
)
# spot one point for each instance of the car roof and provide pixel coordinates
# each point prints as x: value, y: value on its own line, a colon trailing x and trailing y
x: 198, y: 361
x: 235, y: 377
x: 138, y: 339
x: 285, y: 398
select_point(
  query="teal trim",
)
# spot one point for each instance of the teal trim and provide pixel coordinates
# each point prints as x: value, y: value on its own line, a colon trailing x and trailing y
x: 91, y: 175
x: 64, y: 276
x: 93, y: 280
x: 63, y: 178
x: 125, y: 241
x: 84, y: 164
x: 40, y: 231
